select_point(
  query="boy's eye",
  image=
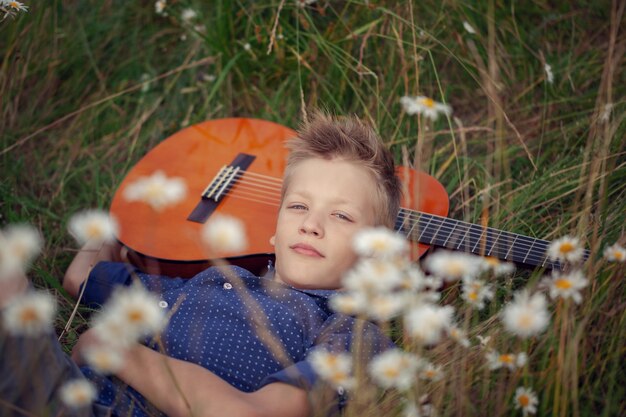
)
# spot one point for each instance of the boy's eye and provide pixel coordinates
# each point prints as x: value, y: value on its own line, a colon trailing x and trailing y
x: 342, y: 216
x: 297, y: 206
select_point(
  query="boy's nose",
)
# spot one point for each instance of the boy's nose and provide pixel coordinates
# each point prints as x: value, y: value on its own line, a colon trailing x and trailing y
x: 311, y: 225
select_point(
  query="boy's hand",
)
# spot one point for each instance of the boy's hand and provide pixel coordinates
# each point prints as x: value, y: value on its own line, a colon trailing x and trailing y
x: 85, y: 340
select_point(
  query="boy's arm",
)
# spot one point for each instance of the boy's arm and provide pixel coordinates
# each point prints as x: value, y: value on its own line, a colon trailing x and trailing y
x: 86, y: 258
x: 182, y: 389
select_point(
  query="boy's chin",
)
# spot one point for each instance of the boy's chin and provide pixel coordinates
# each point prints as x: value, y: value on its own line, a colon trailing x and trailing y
x: 306, y: 283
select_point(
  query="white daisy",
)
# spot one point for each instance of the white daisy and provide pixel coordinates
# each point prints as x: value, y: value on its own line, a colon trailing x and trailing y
x: 459, y: 336
x: 131, y: 313
x: 452, y: 266
x: 104, y: 358
x: 526, y: 315
x: 30, y: 314
x: 567, y: 249
x: 15, y: 6
x: 157, y: 190
x: 468, y: 28
x: 498, y: 267
x: 394, y: 368
x: 484, y: 341
x: 77, y: 393
x: 335, y: 368
x: 615, y: 253
x: 19, y: 245
x: 431, y: 372
x: 566, y: 285
x: 371, y: 275
x: 188, y: 15
x: 93, y: 225
x: 549, y: 74
x: 426, y: 106
x: 385, y: 306
x: 223, y: 233
x: 159, y: 6
x: 427, y: 322
x: 413, y: 280
x: 606, y: 112
x: 379, y: 242
x: 526, y: 399
x: 247, y: 46
x: 512, y: 361
x: 349, y: 303
x: 475, y: 292
x: 303, y: 3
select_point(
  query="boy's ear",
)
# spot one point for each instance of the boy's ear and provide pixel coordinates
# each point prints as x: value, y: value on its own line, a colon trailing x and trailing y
x: 272, y: 240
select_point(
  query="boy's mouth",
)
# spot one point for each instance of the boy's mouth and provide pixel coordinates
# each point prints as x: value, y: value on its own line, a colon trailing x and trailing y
x: 307, y: 250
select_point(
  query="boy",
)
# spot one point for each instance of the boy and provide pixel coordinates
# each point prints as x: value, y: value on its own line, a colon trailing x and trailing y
x: 339, y: 179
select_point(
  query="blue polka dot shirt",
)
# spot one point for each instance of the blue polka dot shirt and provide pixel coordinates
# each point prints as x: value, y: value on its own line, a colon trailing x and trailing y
x: 214, y: 322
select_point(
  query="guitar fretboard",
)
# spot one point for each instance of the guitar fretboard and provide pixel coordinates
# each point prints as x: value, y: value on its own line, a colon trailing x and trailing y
x: 472, y: 238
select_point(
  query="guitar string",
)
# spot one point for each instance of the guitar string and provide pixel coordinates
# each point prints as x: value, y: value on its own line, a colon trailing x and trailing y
x: 453, y: 236
x: 526, y: 243
x: 415, y: 216
x: 529, y: 258
x: 540, y: 244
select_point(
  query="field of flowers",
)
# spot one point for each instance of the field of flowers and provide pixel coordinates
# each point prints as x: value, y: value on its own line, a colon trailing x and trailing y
x: 516, y: 108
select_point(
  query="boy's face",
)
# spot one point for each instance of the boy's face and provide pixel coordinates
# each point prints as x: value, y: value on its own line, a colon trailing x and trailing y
x: 326, y: 203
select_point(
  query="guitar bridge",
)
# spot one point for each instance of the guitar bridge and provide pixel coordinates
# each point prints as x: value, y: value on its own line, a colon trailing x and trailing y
x: 219, y: 187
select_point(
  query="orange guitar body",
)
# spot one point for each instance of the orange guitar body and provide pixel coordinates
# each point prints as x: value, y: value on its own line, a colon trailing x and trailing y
x: 166, y: 242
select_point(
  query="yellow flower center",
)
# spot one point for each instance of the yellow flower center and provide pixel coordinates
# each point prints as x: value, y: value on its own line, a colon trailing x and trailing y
x: 135, y: 316
x: 428, y: 102
x: 430, y: 373
x: 154, y: 191
x: 492, y: 261
x: 81, y: 397
x: 618, y: 255
x: 13, y: 4
x: 455, y: 269
x: 28, y: 315
x: 507, y: 358
x: 391, y: 373
x: 524, y: 400
x: 332, y: 361
x: 94, y: 231
x: 566, y: 247
x: 20, y: 251
x: 379, y: 245
x: 525, y: 321
x: 473, y: 296
x: 563, y: 284
x: 102, y: 359
x: 338, y: 376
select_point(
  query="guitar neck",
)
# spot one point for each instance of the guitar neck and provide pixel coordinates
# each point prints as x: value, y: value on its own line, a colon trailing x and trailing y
x: 453, y: 234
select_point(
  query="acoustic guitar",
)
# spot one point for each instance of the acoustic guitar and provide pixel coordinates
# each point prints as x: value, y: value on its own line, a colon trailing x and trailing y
x: 234, y: 166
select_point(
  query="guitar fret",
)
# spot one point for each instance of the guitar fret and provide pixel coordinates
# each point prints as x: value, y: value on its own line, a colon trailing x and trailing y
x: 510, y: 248
x: 494, y: 243
x: 478, y: 240
x: 448, y: 238
x: 419, y: 238
x: 462, y: 240
x: 528, y: 253
x: 432, y: 240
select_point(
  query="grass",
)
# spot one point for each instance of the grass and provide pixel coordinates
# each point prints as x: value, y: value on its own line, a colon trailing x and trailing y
x: 88, y: 87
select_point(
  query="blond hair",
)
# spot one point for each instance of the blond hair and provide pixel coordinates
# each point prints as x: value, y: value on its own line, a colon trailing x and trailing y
x: 348, y: 138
